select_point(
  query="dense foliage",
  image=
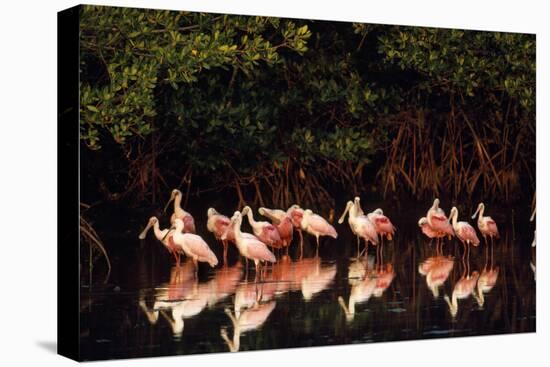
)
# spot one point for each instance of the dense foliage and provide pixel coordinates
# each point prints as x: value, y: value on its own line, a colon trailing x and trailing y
x: 290, y: 110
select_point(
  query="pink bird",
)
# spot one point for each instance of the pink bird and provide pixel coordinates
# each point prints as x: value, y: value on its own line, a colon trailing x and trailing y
x: 283, y: 222
x: 266, y: 232
x: 179, y: 213
x: 487, y: 226
x: 360, y: 224
x: 193, y: 246
x: 165, y: 236
x: 438, y: 221
x: 427, y: 229
x: 432, y: 233
x: 317, y: 226
x: 383, y: 225
x: 249, y: 246
x: 218, y: 224
x: 464, y: 231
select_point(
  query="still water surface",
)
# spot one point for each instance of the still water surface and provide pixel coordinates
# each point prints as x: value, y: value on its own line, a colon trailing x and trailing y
x: 152, y: 308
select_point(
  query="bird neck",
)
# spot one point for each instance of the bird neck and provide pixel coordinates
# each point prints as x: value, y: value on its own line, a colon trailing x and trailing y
x: 158, y: 233
x: 454, y: 218
x: 237, y: 228
x: 481, y: 210
x: 250, y: 218
x: 177, y: 205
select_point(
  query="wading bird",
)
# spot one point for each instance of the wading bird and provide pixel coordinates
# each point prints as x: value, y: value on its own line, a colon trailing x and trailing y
x: 249, y: 247
x: 438, y: 221
x: 266, y: 232
x: 487, y: 226
x: 218, y: 224
x: 317, y: 226
x: 464, y: 231
x: 360, y: 225
x: 296, y: 215
x: 180, y: 213
x: 194, y: 246
x: 283, y: 222
x: 165, y: 236
x: 432, y: 233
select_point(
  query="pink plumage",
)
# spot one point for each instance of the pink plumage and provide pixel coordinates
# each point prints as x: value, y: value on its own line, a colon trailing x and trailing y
x: 320, y: 225
x: 258, y: 251
x: 466, y: 233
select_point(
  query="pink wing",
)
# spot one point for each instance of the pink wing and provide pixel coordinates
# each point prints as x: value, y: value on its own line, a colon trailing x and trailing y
x: 271, y: 234
x: 367, y: 229
x: 492, y: 228
x: 258, y: 250
x: 321, y: 226
x: 439, y: 222
x: 189, y: 223
x: 428, y: 231
x: 200, y: 249
x: 220, y: 225
x: 467, y: 233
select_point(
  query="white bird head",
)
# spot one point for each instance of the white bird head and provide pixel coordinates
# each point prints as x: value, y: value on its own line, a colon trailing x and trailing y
x: 151, y: 222
x: 480, y: 207
x: 422, y: 221
x: 211, y: 212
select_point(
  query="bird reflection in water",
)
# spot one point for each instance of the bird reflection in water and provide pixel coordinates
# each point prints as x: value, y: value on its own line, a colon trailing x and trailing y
x: 487, y: 278
x: 185, y: 297
x: 436, y: 269
x: 463, y: 288
x: 365, y: 281
x: 250, y: 319
x: 252, y: 306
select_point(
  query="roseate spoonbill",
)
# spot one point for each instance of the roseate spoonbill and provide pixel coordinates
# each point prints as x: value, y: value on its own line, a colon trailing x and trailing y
x: 487, y: 226
x: 165, y: 236
x: 283, y: 222
x: 464, y: 231
x: 250, y: 247
x: 218, y: 224
x: 383, y: 225
x: 251, y: 319
x: 296, y: 214
x: 194, y: 246
x: 438, y: 221
x: 180, y: 213
x: 431, y: 232
x: 462, y: 290
x: 266, y: 232
x: 360, y: 225
x: 317, y: 226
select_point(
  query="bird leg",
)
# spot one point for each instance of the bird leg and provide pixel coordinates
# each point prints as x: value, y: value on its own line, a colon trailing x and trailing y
x: 224, y: 242
x: 492, y: 246
x: 301, y: 243
x: 358, y: 243
x: 196, y: 264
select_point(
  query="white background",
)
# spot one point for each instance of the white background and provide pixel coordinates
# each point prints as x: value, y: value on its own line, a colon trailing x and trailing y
x: 28, y: 180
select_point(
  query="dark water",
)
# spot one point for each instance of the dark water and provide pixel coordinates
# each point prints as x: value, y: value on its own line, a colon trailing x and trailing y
x: 152, y: 308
